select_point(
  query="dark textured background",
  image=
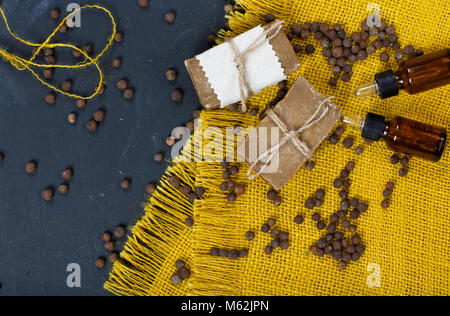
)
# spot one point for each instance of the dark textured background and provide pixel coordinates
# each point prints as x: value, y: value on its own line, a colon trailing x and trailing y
x: 39, y: 239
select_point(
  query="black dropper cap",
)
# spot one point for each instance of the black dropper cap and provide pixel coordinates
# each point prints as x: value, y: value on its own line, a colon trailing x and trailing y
x: 387, y: 84
x: 373, y: 126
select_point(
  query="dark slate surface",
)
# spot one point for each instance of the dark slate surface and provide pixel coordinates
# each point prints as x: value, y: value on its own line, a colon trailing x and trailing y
x: 39, y: 239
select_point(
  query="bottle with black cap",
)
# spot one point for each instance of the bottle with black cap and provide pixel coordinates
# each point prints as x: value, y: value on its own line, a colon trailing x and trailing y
x: 417, y: 75
x: 403, y: 135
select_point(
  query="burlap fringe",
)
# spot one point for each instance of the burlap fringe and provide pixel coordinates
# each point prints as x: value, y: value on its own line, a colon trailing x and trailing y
x: 150, y: 250
x: 154, y: 237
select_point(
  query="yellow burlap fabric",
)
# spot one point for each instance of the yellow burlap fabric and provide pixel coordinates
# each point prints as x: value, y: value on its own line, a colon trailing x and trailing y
x: 407, y: 245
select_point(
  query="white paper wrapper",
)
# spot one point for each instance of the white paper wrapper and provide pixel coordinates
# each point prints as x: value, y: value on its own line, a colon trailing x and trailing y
x: 215, y: 73
x: 263, y: 67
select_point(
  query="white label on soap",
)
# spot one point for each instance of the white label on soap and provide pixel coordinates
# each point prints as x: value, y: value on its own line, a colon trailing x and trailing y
x: 263, y: 67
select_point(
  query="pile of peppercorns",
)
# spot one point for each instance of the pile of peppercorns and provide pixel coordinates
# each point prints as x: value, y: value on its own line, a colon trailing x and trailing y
x: 182, y: 274
x: 273, y: 196
x: 334, y: 243
x: 316, y: 201
x: 230, y: 185
x: 280, y: 239
x: 110, y: 245
x: 348, y: 142
x: 343, y: 51
x: 192, y: 194
x: 231, y: 254
x: 48, y: 193
x: 395, y: 159
x: 403, y: 172
x: 93, y: 124
x: 387, y: 194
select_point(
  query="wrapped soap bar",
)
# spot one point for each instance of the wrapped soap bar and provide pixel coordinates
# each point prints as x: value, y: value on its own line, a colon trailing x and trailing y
x: 242, y: 66
x: 290, y: 133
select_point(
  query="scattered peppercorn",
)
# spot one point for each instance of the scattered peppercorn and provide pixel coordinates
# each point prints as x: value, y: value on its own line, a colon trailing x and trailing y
x: 249, y: 236
x: 171, y: 74
x: 63, y: 189
x: 125, y: 184
x: 390, y: 186
x: 100, y: 262
x: 265, y: 228
x: 119, y: 232
x: 310, y: 49
x: 106, y: 236
x: 189, y: 222
x: 72, y: 118
x: 118, y: 37
x: 122, y: 85
x: 177, y: 95
x: 231, y: 197
x: 298, y: 219
x: 333, y: 82
x: 54, y: 13
x: 50, y: 60
x: 158, y: 157
x: 64, y: 28
x: 150, y: 188
x: 170, y: 141
x: 321, y: 225
x: 66, y: 85
x: 67, y: 174
x: 359, y: 150
x: 30, y: 167
x: 348, y: 142
x: 310, y: 165
x: 310, y: 203
x: 143, y: 3
x: 92, y: 125
x: 47, y: 74
x: 110, y: 245
x: 384, y: 57
x: 269, y: 17
x: 117, y: 62
x: 174, y: 181
x: 176, y: 279
x: 403, y: 172
x: 337, y: 183
x: 128, y: 94
x: 50, y: 98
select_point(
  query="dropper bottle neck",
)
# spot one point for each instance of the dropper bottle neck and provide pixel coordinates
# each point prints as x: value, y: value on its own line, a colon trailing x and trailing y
x: 373, y: 126
x: 387, y: 84
x: 354, y: 122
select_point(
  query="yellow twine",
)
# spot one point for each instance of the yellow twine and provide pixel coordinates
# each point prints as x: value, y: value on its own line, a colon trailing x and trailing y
x: 25, y: 64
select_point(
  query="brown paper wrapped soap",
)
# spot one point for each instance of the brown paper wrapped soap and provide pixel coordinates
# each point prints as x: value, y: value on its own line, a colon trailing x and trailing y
x: 242, y: 66
x: 290, y: 133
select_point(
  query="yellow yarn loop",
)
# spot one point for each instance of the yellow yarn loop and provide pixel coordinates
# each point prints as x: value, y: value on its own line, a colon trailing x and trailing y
x: 25, y: 64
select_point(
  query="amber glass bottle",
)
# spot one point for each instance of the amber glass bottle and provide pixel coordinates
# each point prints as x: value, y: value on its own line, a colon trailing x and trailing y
x: 416, y: 75
x: 404, y: 135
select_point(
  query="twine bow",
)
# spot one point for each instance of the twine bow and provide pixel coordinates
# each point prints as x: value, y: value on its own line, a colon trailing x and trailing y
x: 289, y: 135
x: 240, y: 58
